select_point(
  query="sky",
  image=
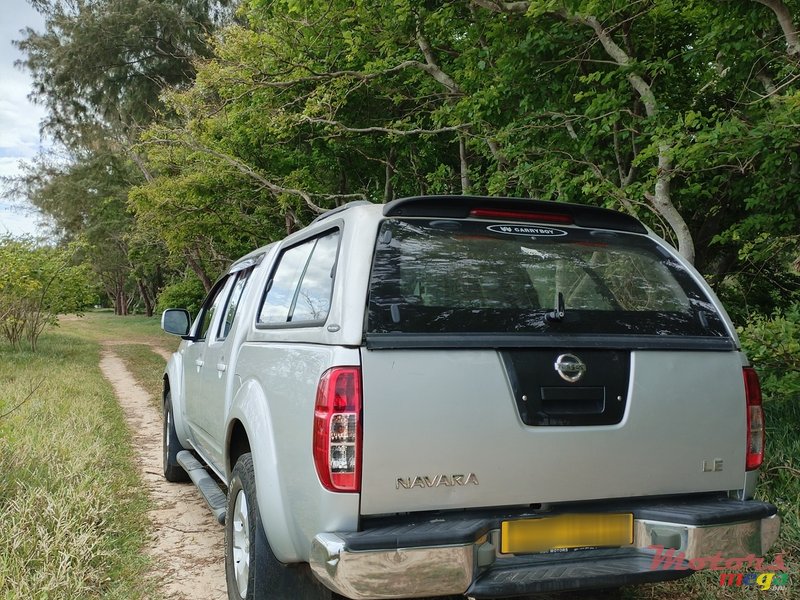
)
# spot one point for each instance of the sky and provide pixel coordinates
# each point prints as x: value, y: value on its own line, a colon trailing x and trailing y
x: 19, y: 118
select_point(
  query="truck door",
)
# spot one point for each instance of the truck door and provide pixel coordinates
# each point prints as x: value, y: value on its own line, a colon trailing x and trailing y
x: 215, y: 375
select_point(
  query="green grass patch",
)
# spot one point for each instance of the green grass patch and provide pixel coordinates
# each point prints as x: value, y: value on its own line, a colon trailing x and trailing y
x: 103, y: 326
x: 73, y: 508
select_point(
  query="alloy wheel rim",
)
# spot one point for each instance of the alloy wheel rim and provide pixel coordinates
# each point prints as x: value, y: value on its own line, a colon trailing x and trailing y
x: 167, y: 429
x: 241, y: 543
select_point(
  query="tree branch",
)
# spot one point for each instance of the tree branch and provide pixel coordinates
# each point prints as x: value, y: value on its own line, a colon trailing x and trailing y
x: 661, y: 198
x: 432, y: 67
x: 787, y: 25
x: 386, y: 130
x: 519, y: 8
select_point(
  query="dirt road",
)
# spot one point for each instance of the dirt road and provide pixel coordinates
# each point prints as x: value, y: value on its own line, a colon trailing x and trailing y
x: 187, y: 542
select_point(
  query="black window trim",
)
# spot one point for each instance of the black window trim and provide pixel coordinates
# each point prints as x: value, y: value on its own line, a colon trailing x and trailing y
x: 315, y: 236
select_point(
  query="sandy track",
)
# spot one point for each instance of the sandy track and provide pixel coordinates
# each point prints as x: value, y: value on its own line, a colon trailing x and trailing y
x: 186, y: 541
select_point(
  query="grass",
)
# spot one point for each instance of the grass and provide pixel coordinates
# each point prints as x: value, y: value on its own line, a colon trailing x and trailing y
x: 73, y: 508
x: 100, y: 326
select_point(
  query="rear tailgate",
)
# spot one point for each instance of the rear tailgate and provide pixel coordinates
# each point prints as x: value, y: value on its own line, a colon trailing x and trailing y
x: 515, y: 364
x: 443, y: 430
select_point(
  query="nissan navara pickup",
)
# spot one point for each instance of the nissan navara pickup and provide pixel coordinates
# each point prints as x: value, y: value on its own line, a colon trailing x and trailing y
x: 447, y: 396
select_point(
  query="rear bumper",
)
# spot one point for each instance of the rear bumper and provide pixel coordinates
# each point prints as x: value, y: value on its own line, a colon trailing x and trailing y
x: 459, y: 554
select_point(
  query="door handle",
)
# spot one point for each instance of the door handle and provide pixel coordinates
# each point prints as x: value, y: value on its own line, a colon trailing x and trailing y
x: 221, y: 367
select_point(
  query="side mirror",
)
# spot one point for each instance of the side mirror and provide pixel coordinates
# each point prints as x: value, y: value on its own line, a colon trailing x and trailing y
x: 176, y: 321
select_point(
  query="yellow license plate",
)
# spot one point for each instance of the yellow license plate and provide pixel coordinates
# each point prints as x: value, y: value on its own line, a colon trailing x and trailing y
x: 566, y: 531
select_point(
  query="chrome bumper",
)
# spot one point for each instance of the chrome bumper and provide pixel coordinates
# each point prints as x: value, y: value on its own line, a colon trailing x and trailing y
x: 445, y: 570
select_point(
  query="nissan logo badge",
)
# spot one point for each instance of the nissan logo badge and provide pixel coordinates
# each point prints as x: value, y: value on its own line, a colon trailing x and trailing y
x: 570, y: 367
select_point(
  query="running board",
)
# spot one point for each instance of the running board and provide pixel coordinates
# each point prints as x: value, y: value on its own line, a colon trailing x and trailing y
x: 205, y: 483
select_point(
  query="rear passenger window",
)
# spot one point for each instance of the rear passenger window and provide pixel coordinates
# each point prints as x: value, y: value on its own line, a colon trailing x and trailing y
x: 233, y: 304
x: 300, y: 289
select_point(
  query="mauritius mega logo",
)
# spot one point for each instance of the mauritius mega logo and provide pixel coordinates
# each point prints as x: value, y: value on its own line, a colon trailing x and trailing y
x: 762, y: 581
x: 767, y: 576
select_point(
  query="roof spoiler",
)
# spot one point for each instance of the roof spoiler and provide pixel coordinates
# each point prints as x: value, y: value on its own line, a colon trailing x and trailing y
x: 462, y: 207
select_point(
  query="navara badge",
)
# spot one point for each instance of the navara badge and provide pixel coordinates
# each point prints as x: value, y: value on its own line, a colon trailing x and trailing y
x: 569, y: 367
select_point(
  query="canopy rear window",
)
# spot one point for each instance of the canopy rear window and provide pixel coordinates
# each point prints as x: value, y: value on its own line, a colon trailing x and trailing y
x: 447, y: 276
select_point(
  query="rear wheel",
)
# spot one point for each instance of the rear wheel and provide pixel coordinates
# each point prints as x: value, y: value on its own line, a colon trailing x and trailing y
x: 171, y: 446
x: 252, y: 571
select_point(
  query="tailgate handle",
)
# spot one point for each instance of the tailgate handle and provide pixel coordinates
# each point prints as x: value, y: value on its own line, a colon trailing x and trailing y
x: 573, y: 400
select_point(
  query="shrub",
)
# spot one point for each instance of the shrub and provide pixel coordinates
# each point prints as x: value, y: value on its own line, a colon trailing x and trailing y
x: 37, y: 283
x: 773, y: 346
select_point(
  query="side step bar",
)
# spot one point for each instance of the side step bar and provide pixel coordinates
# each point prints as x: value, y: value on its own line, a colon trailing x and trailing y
x: 205, y: 483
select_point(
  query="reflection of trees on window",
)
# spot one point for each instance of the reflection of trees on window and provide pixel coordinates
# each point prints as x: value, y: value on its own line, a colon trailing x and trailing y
x: 448, y: 276
x: 311, y: 306
x: 313, y: 298
x: 301, y: 287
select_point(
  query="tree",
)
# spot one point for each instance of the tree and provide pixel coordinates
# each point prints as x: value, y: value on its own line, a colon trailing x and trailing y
x: 99, y: 68
x: 37, y: 283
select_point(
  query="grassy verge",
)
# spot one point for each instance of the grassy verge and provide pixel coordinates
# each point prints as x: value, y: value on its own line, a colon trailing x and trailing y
x: 73, y: 509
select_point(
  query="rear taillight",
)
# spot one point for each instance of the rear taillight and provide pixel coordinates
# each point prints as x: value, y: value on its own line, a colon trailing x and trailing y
x: 337, y: 429
x: 521, y: 215
x: 755, y: 419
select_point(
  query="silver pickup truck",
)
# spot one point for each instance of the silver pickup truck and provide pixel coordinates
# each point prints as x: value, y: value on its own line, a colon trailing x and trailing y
x: 473, y: 396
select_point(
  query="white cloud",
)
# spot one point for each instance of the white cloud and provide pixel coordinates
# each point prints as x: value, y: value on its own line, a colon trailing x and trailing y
x: 19, y: 118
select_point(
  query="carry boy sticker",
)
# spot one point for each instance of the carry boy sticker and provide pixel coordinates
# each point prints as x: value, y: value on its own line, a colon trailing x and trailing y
x: 530, y: 230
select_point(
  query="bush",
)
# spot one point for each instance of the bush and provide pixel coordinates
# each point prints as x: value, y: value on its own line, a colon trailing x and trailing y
x: 187, y: 293
x: 773, y: 347
x: 37, y: 283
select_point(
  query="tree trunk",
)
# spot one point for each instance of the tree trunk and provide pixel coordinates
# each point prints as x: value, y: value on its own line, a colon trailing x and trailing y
x: 464, y: 164
x: 193, y: 260
x: 388, y: 188
x: 787, y: 25
x: 148, y: 302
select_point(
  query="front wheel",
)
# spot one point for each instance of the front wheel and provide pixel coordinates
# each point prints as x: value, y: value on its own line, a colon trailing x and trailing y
x: 171, y: 446
x: 252, y: 571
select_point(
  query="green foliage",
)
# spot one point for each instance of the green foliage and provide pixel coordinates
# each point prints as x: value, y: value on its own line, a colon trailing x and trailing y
x: 103, y: 64
x: 185, y: 293
x: 297, y: 107
x: 37, y: 283
x: 100, y: 68
x: 773, y: 346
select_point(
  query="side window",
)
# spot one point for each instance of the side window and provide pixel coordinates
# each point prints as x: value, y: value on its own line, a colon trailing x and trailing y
x: 300, y: 290
x: 210, y: 307
x: 233, y: 303
x: 314, y: 296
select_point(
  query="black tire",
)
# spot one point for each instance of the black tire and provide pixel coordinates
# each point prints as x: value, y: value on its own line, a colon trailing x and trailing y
x: 263, y: 577
x: 171, y: 446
